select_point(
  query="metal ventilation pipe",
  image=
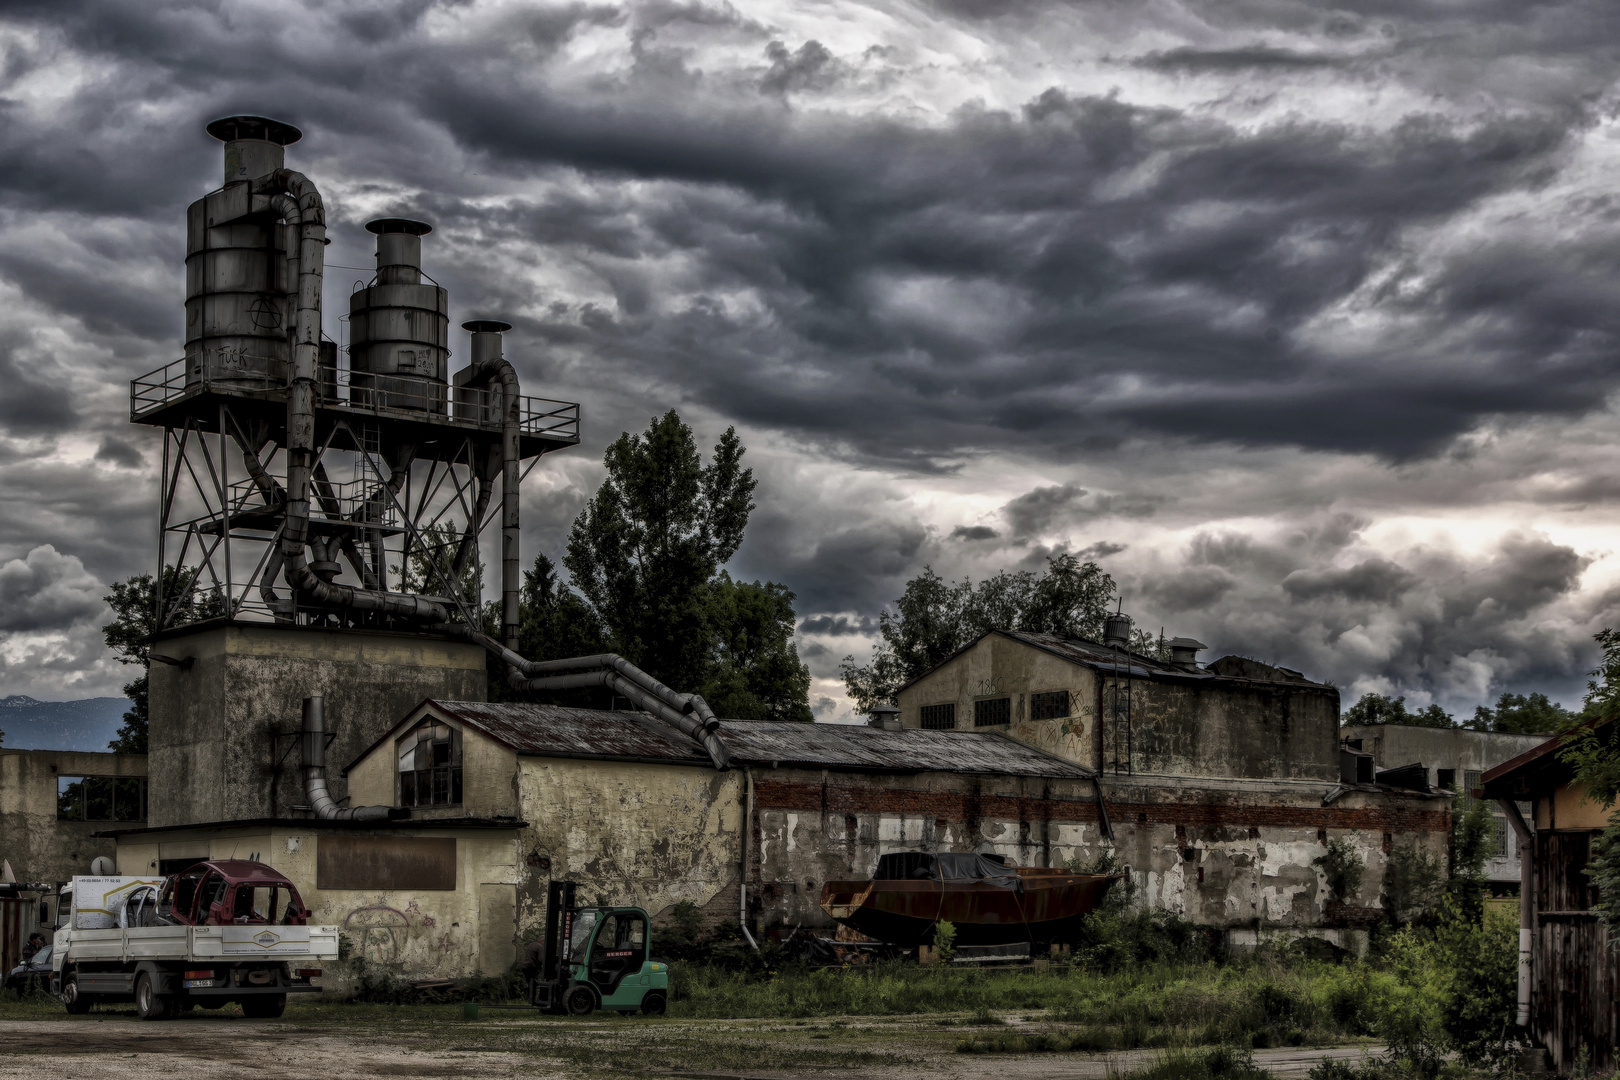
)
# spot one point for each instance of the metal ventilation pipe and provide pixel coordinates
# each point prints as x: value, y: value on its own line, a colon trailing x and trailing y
x: 254, y: 145
x: 320, y: 799
x: 491, y: 367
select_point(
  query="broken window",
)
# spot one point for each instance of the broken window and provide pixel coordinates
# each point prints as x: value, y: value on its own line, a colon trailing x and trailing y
x: 430, y: 765
x: 1049, y: 706
x: 992, y: 711
x: 1445, y: 778
x: 101, y: 798
x: 939, y: 717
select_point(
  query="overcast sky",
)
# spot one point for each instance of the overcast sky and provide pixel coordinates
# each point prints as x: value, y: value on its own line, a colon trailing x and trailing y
x: 1299, y: 319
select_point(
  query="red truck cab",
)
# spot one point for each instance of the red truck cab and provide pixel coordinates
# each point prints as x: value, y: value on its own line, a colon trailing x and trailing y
x: 232, y: 892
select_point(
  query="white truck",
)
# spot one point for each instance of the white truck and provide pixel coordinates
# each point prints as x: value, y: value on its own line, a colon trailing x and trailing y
x: 217, y: 933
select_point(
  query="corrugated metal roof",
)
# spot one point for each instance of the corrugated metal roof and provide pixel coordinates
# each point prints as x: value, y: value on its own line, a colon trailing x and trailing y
x: 1093, y: 654
x: 555, y: 731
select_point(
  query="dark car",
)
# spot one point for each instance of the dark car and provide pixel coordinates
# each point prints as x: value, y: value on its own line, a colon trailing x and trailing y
x: 31, y: 974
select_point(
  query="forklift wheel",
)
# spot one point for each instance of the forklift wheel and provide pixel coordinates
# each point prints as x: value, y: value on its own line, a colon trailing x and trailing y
x: 579, y: 1000
x: 654, y: 1003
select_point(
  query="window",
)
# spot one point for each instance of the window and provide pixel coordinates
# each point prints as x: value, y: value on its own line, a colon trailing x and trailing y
x: 430, y: 765
x: 992, y: 711
x: 101, y: 798
x: 1500, y: 849
x: 1445, y: 778
x: 1050, y: 706
x: 939, y: 717
x: 1470, y: 782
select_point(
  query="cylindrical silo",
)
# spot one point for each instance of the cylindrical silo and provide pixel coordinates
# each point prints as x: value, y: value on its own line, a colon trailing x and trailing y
x: 399, y: 328
x: 239, y: 299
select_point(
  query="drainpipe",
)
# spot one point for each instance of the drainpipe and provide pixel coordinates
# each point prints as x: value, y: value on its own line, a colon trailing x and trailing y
x: 747, y: 839
x: 296, y: 200
x: 320, y: 799
x: 1527, y: 903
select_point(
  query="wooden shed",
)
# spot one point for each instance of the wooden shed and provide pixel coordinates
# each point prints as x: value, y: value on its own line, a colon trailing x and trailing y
x: 1571, y: 981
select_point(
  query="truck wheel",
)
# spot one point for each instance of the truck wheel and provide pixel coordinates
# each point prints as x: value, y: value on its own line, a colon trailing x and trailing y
x: 149, y: 1004
x: 654, y: 1003
x: 579, y: 1000
x: 264, y: 1006
x: 71, y: 1001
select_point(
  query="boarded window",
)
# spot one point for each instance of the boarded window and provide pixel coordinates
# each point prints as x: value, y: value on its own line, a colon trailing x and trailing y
x: 992, y: 711
x: 386, y: 862
x: 1049, y: 706
x: 939, y: 717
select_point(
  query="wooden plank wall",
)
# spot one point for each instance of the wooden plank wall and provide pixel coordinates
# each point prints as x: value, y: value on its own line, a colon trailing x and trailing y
x: 1573, y: 997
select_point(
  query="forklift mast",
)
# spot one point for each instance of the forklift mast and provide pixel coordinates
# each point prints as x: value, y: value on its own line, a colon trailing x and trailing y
x: 559, y: 931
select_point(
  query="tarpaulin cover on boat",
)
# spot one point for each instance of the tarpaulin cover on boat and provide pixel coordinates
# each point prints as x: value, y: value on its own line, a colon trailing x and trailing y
x: 946, y: 866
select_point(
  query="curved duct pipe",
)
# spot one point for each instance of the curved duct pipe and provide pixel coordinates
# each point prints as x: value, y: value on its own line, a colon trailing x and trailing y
x: 687, y: 713
x: 320, y: 799
x: 297, y: 201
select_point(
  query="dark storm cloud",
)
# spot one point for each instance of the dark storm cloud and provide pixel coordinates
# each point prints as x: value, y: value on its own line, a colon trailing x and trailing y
x: 27, y: 405
x: 1250, y: 57
x: 974, y: 532
x: 838, y: 625
x: 46, y: 590
x: 1038, y: 510
x: 1374, y: 579
x: 118, y: 452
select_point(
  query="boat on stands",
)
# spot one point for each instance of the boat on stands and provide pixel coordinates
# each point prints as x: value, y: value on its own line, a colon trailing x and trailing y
x: 986, y: 900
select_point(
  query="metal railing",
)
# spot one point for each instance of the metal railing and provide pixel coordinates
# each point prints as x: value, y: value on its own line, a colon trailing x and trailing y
x: 242, y: 375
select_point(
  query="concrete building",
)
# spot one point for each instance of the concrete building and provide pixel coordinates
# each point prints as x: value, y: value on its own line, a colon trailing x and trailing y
x: 226, y: 700
x: 1452, y: 757
x: 54, y: 803
x: 1226, y: 777
x: 518, y: 794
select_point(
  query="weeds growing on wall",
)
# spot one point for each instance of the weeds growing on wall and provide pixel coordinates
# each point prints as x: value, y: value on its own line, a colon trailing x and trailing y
x: 1343, y: 867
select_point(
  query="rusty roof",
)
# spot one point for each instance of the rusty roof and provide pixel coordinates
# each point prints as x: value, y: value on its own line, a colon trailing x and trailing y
x: 558, y: 731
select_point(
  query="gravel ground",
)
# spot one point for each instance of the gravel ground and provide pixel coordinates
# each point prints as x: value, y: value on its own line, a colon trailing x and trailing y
x: 225, y: 1047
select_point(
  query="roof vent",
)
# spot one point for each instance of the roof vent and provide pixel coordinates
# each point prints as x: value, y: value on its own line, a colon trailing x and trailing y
x: 1117, y: 630
x: 1184, y: 652
x: 884, y: 718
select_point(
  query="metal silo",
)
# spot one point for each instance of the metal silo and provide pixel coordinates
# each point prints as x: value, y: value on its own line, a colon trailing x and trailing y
x: 399, y: 327
x: 239, y: 296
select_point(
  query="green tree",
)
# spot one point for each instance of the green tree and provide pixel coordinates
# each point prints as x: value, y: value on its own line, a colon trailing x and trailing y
x: 1521, y: 715
x: 933, y: 618
x: 1473, y: 838
x: 657, y: 531
x: 645, y: 557
x: 428, y: 564
x: 129, y: 636
x: 1382, y: 709
x: 755, y: 672
x: 1591, y: 746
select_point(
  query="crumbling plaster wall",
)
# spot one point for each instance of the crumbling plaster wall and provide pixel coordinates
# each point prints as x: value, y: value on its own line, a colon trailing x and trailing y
x: 650, y: 835
x: 1222, y: 854
x: 40, y: 846
x: 409, y: 933
x: 1233, y: 727
x: 1001, y: 667
x: 212, y: 721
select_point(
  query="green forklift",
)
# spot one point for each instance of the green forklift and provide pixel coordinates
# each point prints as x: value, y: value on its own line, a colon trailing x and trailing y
x: 597, y: 958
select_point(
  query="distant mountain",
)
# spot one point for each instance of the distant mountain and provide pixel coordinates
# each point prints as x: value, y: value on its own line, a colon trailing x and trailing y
x: 85, y: 724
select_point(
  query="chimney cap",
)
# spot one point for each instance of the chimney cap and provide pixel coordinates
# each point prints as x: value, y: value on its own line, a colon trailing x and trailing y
x: 409, y: 226
x: 233, y: 128
x: 1186, y: 643
x: 486, y: 326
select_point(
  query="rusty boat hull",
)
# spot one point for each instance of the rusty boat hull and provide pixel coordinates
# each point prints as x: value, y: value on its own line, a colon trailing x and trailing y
x: 1047, y: 906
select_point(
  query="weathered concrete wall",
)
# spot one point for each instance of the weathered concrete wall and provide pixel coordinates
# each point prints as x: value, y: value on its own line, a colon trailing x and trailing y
x: 1462, y: 751
x: 1233, y: 855
x: 413, y: 933
x: 632, y: 833
x: 212, y: 723
x: 1185, y: 727
x: 40, y: 846
x: 1000, y: 667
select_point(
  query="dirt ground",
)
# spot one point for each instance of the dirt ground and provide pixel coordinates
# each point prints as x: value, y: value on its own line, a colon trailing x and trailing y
x: 436, y: 1042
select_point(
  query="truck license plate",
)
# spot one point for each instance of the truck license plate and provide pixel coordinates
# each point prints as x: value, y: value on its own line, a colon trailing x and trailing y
x: 194, y: 983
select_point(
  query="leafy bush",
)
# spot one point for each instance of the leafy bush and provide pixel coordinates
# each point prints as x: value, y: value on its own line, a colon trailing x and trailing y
x: 1412, y: 883
x: 1343, y: 867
